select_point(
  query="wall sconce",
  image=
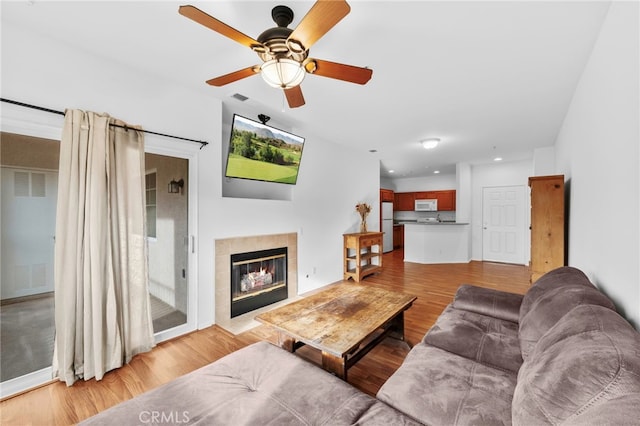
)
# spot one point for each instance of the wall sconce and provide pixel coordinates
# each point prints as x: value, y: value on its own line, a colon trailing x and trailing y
x: 175, y: 186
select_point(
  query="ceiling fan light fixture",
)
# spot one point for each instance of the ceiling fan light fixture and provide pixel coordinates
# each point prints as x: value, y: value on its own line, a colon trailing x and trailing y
x: 282, y: 73
x: 295, y: 46
x: 430, y: 143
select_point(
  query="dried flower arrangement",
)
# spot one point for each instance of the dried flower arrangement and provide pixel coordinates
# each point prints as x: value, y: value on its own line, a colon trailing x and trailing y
x: 363, y: 209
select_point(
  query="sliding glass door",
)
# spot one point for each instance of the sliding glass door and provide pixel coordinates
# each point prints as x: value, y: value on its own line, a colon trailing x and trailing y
x: 27, y: 232
x: 167, y: 200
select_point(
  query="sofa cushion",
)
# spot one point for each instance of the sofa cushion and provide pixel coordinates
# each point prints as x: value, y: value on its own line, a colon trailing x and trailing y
x: 487, y: 301
x: 490, y: 341
x: 436, y: 387
x: 587, y: 364
x: 257, y: 385
x: 565, y: 275
x: 550, y: 299
x: 619, y: 411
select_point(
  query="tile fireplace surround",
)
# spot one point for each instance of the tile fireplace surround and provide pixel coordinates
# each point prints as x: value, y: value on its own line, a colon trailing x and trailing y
x: 224, y: 249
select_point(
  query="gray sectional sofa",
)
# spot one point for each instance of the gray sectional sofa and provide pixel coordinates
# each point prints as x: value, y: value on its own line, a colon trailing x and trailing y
x: 560, y: 354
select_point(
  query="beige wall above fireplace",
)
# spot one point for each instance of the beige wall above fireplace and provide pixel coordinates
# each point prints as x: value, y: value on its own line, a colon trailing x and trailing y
x: 224, y: 248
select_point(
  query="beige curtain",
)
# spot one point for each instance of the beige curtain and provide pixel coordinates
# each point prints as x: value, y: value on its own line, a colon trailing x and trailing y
x: 102, y: 310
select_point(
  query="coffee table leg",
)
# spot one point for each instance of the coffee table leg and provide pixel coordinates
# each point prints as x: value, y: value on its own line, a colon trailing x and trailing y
x: 335, y: 365
x: 396, y: 328
x: 286, y: 342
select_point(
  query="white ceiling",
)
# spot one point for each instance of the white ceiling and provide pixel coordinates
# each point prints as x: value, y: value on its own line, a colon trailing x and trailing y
x: 487, y: 78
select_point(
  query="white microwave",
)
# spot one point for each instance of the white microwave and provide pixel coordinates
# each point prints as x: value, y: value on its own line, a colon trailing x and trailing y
x: 426, y: 205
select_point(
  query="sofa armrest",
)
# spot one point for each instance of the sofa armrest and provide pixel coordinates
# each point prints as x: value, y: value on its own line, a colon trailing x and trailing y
x: 486, y: 301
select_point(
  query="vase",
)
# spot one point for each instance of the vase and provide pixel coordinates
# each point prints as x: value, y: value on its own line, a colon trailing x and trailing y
x: 363, y: 226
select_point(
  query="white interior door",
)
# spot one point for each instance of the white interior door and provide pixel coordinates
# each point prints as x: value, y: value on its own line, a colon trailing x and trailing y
x: 504, y: 227
x: 28, y: 231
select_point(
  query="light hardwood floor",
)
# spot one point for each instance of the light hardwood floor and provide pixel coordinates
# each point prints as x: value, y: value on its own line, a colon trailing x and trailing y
x: 434, y: 285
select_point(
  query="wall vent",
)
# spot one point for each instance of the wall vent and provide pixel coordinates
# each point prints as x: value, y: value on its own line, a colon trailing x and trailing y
x: 239, y: 97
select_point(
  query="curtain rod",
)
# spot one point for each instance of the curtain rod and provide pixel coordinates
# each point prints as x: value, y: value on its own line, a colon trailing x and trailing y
x: 53, y: 111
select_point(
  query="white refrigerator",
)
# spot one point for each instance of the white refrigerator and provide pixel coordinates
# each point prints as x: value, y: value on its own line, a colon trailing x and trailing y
x: 387, y: 227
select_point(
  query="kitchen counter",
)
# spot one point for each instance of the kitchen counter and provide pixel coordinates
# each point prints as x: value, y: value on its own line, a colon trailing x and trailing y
x: 437, y: 242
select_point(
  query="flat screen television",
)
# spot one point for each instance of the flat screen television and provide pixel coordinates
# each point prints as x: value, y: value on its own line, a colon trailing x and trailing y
x: 261, y: 152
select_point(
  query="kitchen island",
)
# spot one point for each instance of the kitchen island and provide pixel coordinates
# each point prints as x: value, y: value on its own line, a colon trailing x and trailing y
x: 436, y: 242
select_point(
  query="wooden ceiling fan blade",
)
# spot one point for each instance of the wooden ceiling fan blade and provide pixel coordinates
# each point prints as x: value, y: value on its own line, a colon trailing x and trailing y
x: 322, y: 16
x: 210, y: 22
x: 234, y: 76
x: 338, y: 71
x: 294, y: 97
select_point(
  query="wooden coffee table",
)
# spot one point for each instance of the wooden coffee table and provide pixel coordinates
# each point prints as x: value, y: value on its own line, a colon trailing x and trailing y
x: 344, y: 322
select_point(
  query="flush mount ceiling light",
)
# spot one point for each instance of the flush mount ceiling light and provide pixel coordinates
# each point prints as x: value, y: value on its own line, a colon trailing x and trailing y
x: 430, y: 143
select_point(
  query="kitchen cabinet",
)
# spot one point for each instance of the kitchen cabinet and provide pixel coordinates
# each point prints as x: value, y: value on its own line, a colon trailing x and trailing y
x: 386, y: 195
x: 434, y: 243
x: 398, y: 236
x: 446, y: 200
x: 425, y: 195
x: 404, y: 201
x: 362, y: 254
x: 548, y: 250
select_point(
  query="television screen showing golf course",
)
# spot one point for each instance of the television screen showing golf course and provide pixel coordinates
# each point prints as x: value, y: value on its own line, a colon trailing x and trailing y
x: 261, y: 152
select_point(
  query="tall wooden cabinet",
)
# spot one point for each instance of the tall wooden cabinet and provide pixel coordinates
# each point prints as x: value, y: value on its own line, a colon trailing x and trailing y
x: 547, y: 224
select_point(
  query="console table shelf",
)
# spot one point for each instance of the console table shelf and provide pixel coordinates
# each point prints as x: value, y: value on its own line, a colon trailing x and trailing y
x: 362, y: 254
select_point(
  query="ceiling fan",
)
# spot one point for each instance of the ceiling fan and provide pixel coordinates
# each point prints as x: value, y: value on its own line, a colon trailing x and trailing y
x: 285, y: 52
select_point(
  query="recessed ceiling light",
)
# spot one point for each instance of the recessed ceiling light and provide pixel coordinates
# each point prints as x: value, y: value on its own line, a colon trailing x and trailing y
x: 430, y: 143
x: 497, y: 159
x: 392, y: 171
x: 436, y: 171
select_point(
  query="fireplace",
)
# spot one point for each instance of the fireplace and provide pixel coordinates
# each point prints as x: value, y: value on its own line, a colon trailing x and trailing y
x: 258, y: 278
x: 224, y: 249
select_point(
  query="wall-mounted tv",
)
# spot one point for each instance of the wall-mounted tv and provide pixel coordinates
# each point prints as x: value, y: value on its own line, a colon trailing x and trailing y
x: 261, y: 152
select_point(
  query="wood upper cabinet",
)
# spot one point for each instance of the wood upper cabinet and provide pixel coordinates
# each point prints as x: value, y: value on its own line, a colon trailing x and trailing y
x: 446, y: 199
x: 548, y: 250
x: 425, y: 195
x: 386, y: 195
x: 404, y: 201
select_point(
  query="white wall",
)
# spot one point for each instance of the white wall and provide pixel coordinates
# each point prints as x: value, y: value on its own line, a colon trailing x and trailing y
x: 597, y: 151
x: 429, y: 183
x: 39, y: 71
x: 544, y: 161
x: 387, y: 183
x: 496, y: 174
x: 463, y: 192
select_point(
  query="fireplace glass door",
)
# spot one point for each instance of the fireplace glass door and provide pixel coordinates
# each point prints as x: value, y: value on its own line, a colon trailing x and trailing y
x: 258, y: 279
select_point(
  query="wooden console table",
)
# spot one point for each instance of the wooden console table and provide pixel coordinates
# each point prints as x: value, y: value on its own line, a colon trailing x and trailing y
x: 360, y: 258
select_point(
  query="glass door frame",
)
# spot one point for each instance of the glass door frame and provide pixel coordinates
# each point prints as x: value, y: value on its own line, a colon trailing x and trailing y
x: 39, y: 124
x: 188, y: 151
